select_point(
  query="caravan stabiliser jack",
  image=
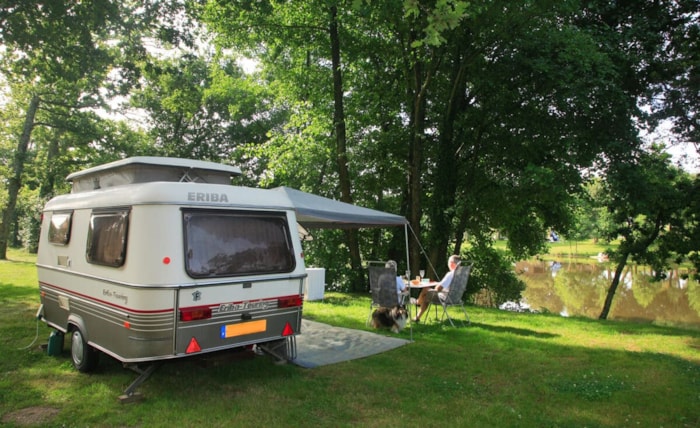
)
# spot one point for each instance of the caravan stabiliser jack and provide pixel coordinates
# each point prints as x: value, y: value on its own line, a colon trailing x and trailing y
x: 130, y: 395
x: 281, y: 350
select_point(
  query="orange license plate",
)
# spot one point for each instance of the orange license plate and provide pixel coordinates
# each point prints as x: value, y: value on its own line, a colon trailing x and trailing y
x: 241, y: 329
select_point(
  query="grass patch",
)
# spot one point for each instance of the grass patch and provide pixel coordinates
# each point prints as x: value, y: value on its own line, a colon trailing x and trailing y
x: 505, y: 370
x: 581, y: 250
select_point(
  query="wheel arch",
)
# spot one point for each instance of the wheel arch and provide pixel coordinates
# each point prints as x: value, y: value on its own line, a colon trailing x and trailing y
x: 76, y: 321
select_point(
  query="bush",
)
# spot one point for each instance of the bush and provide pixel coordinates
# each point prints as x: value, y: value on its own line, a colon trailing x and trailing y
x: 493, y: 276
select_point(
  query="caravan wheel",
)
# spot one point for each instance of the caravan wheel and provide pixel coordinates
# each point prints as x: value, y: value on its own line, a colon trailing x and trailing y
x: 84, y: 356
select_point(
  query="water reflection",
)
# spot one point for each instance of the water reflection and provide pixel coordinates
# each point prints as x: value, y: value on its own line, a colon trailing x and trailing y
x: 579, y: 289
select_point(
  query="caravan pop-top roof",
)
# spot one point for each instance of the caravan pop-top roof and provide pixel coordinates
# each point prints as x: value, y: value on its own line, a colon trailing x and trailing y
x: 143, y: 169
x: 312, y: 211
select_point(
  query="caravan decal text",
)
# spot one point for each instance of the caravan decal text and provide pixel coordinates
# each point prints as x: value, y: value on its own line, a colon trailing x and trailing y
x: 115, y: 295
x: 207, y: 197
x: 242, y: 306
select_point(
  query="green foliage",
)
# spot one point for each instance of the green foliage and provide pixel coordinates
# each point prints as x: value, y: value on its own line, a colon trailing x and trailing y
x: 29, y: 218
x: 493, y: 274
x: 55, y: 64
x: 647, y: 199
x: 523, y: 99
x: 203, y: 107
x: 591, y: 218
x: 329, y: 251
x: 465, y: 117
x: 445, y: 15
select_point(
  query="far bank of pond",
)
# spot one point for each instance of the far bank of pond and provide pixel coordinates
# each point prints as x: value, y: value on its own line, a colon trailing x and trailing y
x: 579, y: 289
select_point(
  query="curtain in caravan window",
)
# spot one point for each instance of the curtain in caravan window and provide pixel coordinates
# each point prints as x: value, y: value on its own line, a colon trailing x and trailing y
x: 107, y: 238
x: 229, y: 243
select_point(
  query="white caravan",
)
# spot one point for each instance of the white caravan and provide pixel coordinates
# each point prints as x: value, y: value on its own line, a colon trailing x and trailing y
x: 152, y: 258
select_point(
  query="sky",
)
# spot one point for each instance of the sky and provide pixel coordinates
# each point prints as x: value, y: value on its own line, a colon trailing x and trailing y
x: 685, y: 154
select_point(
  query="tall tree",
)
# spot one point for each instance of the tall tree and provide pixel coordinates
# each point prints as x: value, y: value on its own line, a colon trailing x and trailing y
x: 295, y: 41
x: 51, y: 57
x: 647, y: 197
x: 57, y: 59
x: 489, y: 113
x: 527, y: 97
x: 339, y: 126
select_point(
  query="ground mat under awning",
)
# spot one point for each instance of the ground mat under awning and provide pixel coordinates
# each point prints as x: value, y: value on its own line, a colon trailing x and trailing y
x: 321, y: 344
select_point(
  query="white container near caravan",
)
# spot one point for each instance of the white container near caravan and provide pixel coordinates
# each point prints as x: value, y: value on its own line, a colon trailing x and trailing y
x: 150, y: 259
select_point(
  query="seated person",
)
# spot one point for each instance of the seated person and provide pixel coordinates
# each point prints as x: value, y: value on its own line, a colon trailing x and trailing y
x: 441, y: 287
x: 401, y: 288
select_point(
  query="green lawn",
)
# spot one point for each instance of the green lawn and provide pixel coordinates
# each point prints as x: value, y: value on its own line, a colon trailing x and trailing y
x: 505, y: 370
x: 584, y: 250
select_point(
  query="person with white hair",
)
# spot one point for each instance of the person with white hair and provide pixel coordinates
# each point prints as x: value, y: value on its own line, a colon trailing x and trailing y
x: 442, y: 287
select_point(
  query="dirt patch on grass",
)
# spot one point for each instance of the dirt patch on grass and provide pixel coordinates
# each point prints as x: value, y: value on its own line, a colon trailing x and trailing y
x: 31, y: 416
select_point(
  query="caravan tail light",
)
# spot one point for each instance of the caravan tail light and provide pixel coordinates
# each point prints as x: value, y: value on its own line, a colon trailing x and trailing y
x: 195, y: 313
x: 289, y: 302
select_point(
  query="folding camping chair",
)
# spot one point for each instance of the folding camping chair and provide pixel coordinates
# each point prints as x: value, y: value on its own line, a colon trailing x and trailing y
x: 454, y: 296
x: 382, y: 285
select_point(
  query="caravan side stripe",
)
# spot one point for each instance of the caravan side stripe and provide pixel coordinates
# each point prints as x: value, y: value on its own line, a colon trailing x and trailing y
x: 103, y: 302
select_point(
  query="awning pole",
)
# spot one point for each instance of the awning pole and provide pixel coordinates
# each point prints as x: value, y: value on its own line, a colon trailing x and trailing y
x: 422, y: 250
x: 408, y: 277
x: 408, y: 257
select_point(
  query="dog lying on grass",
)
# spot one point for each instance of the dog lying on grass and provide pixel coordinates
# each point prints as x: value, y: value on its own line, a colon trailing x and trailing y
x: 394, y: 318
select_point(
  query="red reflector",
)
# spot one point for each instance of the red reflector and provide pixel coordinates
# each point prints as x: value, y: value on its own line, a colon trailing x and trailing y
x: 193, y: 346
x: 127, y: 324
x: 290, y: 302
x: 288, y: 330
x: 195, y: 313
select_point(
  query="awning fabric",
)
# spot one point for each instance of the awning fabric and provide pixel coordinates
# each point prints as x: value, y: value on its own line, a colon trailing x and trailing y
x: 314, y: 211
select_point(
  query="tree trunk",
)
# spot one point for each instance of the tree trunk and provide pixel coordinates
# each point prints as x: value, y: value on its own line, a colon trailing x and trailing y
x: 15, y: 181
x: 443, y: 209
x: 48, y: 184
x: 47, y: 187
x: 417, y: 87
x: 613, y: 286
x: 459, y: 231
x: 341, y: 143
x: 640, y: 248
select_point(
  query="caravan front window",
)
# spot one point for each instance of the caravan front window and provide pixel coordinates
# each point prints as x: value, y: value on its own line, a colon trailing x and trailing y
x: 229, y: 243
x: 59, y: 227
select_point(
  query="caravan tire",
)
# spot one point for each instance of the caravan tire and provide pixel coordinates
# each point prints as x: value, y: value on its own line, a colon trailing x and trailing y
x: 84, y: 356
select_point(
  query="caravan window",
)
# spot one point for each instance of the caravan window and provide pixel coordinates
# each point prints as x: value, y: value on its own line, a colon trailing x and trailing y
x: 106, y: 242
x: 228, y: 243
x: 59, y: 227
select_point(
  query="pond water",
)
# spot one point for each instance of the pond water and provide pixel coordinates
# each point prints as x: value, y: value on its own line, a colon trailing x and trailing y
x: 579, y: 289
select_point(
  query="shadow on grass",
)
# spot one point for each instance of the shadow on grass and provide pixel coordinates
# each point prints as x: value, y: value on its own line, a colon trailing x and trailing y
x: 30, y: 261
x: 641, y: 329
x: 637, y: 327
x: 432, y: 326
x: 169, y: 374
x: 12, y: 292
x: 514, y: 330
